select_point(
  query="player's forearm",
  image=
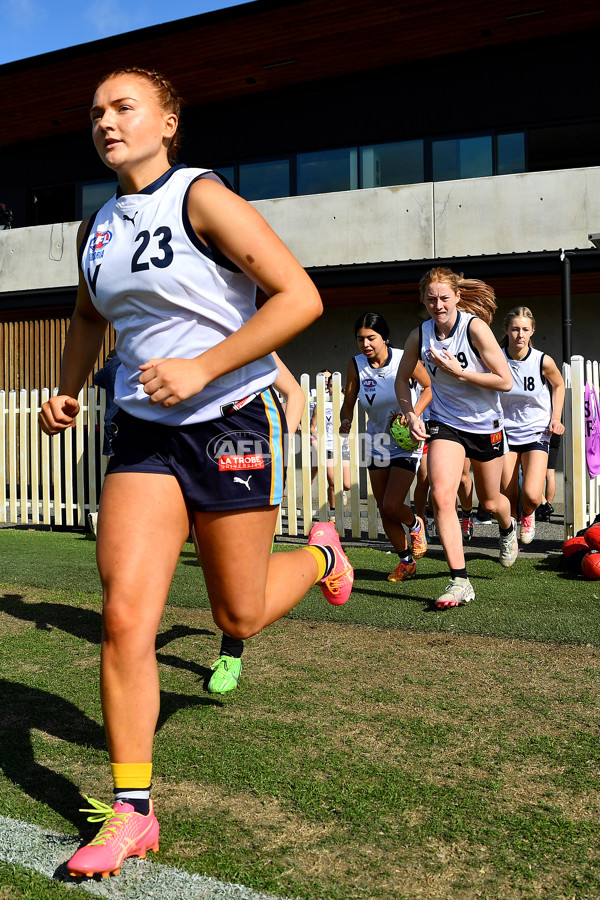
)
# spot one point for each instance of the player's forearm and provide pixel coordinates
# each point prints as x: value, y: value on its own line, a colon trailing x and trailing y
x: 82, y: 345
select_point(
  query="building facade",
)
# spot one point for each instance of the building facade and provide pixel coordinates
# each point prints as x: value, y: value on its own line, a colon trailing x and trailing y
x: 377, y: 139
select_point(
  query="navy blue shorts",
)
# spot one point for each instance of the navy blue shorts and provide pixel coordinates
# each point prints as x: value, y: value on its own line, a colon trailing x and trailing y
x: 527, y: 448
x: 234, y: 462
x: 480, y: 447
x: 554, y: 448
x: 410, y: 463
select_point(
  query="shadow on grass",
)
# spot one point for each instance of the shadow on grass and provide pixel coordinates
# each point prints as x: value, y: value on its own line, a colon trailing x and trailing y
x: 178, y: 631
x: 24, y: 709
x: 559, y: 567
x: 370, y: 575
x: 367, y: 575
x: 87, y: 624
x: 81, y: 623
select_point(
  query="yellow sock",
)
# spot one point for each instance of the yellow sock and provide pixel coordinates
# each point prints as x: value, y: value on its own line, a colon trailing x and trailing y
x: 321, y: 560
x: 132, y: 775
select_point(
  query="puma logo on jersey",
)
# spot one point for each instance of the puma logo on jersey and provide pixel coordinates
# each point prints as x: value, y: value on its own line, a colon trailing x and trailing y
x: 238, y: 480
x: 127, y: 218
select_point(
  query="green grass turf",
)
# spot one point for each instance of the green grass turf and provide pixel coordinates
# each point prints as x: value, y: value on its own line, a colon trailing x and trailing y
x: 535, y: 599
x: 378, y: 750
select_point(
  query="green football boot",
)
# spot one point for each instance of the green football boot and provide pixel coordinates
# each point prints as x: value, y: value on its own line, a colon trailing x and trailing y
x: 226, y: 674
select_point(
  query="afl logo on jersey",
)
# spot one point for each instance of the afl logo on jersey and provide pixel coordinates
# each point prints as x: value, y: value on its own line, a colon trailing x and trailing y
x: 369, y: 384
x: 98, y: 242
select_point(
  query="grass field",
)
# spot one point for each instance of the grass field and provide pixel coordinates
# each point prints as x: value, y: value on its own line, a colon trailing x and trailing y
x: 378, y: 750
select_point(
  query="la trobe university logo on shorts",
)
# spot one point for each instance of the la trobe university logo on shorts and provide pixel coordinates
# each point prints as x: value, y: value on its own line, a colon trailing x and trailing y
x: 239, y: 451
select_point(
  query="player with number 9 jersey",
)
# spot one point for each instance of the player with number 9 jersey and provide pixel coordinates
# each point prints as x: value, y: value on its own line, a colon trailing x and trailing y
x: 467, y: 371
x: 459, y: 404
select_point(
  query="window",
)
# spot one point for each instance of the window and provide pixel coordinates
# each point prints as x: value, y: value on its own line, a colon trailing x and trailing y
x: 563, y: 146
x: 52, y: 204
x: 327, y: 170
x: 386, y: 164
x: 462, y: 158
x: 93, y: 196
x: 263, y: 180
x: 510, y: 153
x: 379, y: 165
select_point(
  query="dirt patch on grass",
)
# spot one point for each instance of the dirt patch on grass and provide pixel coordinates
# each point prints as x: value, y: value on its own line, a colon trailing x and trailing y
x: 272, y: 827
x: 10, y: 626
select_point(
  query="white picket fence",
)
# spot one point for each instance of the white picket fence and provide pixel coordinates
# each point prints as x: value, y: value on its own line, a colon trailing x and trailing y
x: 582, y: 493
x: 43, y: 480
x: 56, y: 480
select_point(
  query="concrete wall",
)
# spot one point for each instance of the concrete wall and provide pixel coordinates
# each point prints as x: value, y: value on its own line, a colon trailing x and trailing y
x: 330, y: 341
x: 371, y: 225
x: 504, y: 214
x: 501, y: 214
x: 516, y: 213
x: 41, y: 258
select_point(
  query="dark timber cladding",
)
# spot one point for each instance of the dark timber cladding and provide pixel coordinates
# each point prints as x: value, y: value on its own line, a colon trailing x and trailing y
x: 264, y: 46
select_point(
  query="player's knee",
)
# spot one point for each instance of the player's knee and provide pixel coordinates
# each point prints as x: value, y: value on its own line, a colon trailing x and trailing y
x: 391, y: 508
x: 531, y: 500
x: 443, y: 500
x: 118, y: 620
x: 238, y: 626
x: 122, y: 634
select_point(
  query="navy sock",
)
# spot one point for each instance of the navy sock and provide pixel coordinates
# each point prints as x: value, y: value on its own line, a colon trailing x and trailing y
x: 329, y: 557
x: 141, y: 804
x: 330, y: 560
x: 458, y: 573
x: 231, y: 646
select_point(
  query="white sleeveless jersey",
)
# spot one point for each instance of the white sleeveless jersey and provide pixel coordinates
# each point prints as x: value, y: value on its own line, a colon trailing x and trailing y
x: 328, y: 410
x: 466, y: 407
x: 528, y: 405
x: 167, y: 295
x: 377, y: 394
x: 329, y: 425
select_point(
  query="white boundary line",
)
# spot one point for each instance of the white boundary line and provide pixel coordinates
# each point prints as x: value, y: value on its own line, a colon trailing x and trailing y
x: 47, y: 853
